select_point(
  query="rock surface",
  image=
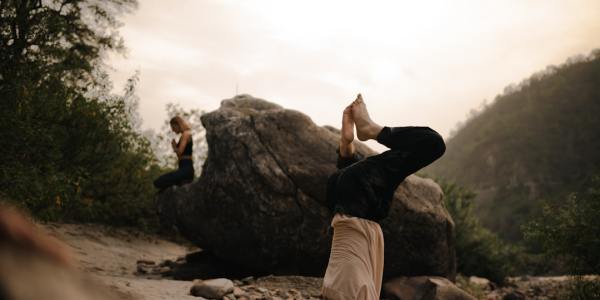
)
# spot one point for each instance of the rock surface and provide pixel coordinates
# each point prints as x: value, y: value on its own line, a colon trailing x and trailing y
x: 212, y: 289
x: 423, y: 288
x: 260, y: 201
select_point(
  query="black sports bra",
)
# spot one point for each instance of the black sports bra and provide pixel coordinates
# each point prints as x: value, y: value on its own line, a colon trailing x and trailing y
x: 188, y: 147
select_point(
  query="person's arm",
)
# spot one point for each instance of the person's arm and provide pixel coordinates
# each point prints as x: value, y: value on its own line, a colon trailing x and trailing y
x: 183, y: 140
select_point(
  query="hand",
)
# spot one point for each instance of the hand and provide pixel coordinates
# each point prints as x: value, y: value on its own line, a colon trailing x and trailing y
x: 173, y: 143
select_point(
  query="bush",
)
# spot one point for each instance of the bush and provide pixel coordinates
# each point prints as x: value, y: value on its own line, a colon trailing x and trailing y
x: 581, y: 288
x: 478, y: 251
x: 569, y: 231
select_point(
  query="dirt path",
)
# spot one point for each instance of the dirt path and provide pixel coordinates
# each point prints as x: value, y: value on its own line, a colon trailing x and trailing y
x: 111, y: 254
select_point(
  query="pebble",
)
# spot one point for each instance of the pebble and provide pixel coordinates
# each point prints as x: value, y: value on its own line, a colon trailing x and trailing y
x: 248, y: 280
x: 212, y: 288
x: 238, y: 292
x: 146, y: 262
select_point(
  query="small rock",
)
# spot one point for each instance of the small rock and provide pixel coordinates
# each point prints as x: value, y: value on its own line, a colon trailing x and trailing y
x: 145, y: 262
x: 248, y: 280
x: 238, y: 282
x: 409, y: 287
x: 229, y: 297
x: 142, y: 269
x: 163, y: 271
x: 262, y: 290
x: 479, y: 281
x: 212, y: 288
x: 238, y: 292
x: 168, y: 263
x: 294, y: 292
x: 514, y: 295
x: 282, y: 294
x: 316, y: 294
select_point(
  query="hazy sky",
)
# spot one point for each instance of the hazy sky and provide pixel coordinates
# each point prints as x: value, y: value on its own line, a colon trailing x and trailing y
x: 416, y: 62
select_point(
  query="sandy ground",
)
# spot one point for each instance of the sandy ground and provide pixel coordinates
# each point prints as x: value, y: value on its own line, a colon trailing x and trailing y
x: 111, y: 256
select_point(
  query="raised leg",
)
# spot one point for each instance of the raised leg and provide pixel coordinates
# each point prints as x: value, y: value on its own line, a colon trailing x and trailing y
x: 411, y: 149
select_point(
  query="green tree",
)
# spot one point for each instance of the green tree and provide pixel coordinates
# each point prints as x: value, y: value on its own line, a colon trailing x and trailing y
x: 73, y: 150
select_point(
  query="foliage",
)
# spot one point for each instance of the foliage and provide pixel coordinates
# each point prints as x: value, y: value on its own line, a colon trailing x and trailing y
x: 537, y: 140
x: 570, y: 231
x: 472, y: 289
x: 582, y: 288
x: 478, y: 251
x: 72, y: 150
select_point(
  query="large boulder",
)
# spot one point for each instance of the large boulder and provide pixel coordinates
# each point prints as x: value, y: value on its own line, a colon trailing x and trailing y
x: 260, y: 201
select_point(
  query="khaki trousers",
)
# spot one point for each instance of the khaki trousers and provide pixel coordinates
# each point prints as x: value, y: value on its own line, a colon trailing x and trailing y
x: 355, y: 268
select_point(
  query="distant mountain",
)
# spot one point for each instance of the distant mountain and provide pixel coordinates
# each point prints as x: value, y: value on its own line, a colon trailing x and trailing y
x: 538, y: 140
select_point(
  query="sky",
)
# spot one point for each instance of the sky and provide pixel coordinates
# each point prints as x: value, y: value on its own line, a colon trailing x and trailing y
x: 423, y: 63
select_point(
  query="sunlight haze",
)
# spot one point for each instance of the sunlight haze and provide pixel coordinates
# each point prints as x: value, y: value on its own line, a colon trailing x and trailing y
x: 416, y: 63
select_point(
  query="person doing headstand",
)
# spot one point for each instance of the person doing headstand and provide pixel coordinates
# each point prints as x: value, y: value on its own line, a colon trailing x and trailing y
x: 359, y: 195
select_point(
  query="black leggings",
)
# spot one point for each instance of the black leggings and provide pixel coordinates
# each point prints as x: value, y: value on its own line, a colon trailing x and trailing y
x: 411, y: 149
x: 184, y: 174
x: 364, y: 188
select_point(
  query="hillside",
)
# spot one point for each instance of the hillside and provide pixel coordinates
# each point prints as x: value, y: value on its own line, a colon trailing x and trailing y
x: 538, y: 140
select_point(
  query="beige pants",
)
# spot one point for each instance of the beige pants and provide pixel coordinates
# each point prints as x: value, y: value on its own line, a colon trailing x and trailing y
x: 355, y: 268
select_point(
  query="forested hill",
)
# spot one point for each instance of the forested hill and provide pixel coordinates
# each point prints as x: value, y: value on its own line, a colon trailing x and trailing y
x: 539, y: 140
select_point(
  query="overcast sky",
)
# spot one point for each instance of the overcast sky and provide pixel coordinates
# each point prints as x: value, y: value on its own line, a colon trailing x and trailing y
x: 416, y: 62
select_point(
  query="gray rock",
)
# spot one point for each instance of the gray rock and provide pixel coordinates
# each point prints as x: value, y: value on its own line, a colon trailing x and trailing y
x: 515, y: 295
x: 423, y: 288
x: 238, y: 292
x: 212, y: 288
x: 260, y: 200
x: 481, y: 282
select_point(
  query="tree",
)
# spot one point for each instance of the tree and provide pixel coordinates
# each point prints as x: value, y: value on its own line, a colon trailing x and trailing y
x: 74, y: 151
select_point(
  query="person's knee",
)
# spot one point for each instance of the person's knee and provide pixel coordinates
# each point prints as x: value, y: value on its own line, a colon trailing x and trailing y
x: 437, y: 146
x: 157, y: 183
x: 440, y: 146
x: 160, y: 182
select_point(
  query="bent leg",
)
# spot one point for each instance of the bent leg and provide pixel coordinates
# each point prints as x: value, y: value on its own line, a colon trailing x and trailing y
x: 411, y: 149
x: 166, y: 180
x: 184, y: 174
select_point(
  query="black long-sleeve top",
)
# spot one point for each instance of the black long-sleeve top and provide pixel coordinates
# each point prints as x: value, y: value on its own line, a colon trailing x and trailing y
x: 359, y: 188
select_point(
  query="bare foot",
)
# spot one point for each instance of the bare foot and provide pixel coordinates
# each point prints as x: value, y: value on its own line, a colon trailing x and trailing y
x: 348, y: 125
x: 365, y: 127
